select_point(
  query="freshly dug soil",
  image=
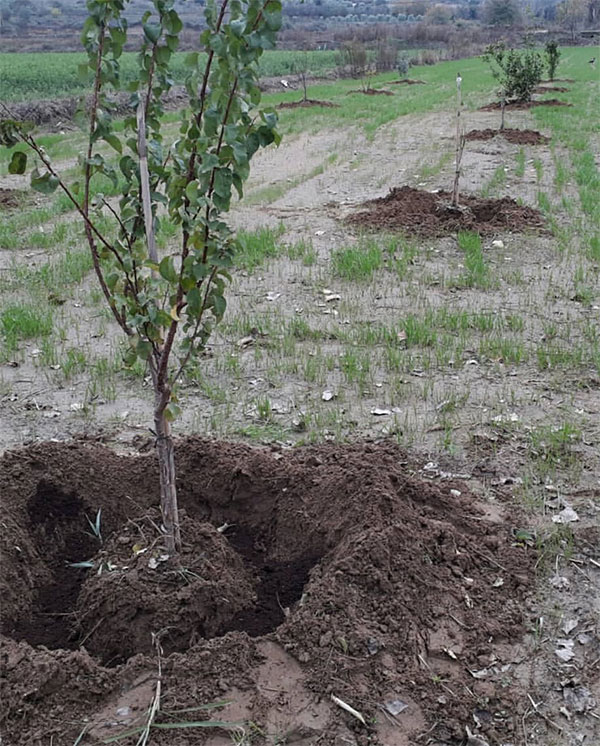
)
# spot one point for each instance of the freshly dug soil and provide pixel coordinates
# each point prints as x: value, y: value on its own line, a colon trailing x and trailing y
x: 518, y: 137
x: 372, y: 92
x: 550, y: 88
x: 407, y: 81
x: 9, y: 198
x: 307, y: 573
x: 307, y: 104
x: 523, y: 105
x: 430, y: 213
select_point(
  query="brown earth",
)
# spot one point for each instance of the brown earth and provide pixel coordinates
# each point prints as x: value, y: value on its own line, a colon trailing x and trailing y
x: 372, y: 92
x: 518, y: 137
x: 559, y: 80
x: 407, y: 81
x: 431, y: 214
x: 307, y: 104
x: 523, y: 105
x: 549, y: 88
x: 305, y: 574
x: 9, y: 198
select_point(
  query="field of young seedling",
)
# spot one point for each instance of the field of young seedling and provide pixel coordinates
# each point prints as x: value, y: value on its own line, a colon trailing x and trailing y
x: 402, y: 527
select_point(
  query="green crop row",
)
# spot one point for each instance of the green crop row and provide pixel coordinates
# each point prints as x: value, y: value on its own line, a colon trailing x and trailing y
x: 48, y: 75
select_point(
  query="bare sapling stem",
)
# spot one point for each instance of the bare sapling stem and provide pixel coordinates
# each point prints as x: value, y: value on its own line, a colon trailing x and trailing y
x: 460, y: 141
x: 502, y: 109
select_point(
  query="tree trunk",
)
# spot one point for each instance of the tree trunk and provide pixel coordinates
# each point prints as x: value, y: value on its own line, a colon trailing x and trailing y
x: 168, y: 488
x: 502, y: 107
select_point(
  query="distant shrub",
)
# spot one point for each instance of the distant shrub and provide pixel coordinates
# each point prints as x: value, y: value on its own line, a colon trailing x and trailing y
x: 403, y: 66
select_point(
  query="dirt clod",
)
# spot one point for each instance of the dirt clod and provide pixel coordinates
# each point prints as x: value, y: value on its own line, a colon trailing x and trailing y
x: 430, y: 213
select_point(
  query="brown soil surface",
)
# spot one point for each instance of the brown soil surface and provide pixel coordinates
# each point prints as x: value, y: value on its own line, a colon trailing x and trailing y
x: 372, y: 92
x: 430, y: 214
x: 407, y: 81
x: 307, y: 573
x: 559, y: 80
x: 518, y: 137
x: 523, y: 105
x: 306, y: 104
x: 9, y: 198
x: 550, y: 88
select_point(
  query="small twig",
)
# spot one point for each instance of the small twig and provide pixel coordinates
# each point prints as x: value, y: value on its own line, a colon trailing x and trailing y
x: 488, y: 559
x: 155, y: 706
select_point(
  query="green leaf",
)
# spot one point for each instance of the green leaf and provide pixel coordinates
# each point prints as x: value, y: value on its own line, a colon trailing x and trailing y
x: 152, y: 31
x: 45, y: 184
x: 18, y: 163
x: 173, y: 23
x: 237, y: 27
x: 114, y: 142
x: 143, y: 349
x: 167, y: 269
x: 172, y: 411
x: 219, y: 305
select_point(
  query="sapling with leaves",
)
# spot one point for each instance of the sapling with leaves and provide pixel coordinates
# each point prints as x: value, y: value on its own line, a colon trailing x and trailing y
x: 517, y: 71
x: 552, y: 57
x: 165, y: 305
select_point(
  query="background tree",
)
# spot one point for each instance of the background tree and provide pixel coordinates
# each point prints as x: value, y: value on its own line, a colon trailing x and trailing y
x: 571, y: 15
x: 166, y: 305
x: 502, y: 13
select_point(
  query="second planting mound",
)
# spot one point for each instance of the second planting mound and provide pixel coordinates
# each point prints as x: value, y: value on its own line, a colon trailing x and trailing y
x: 431, y: 214
x: 517, y: 137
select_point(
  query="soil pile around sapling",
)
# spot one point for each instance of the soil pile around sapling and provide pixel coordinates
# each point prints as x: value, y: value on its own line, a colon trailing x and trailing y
x: 431, y: 214
x: 318, y: 571
x: 407, y: 81
x: 310, y: 102
x: 372, y: 92
x: 518, y: 137
x: 523, y: 105
x: 550, y: 88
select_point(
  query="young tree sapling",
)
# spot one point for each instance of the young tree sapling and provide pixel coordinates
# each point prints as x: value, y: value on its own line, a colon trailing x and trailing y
x: 166, y: 305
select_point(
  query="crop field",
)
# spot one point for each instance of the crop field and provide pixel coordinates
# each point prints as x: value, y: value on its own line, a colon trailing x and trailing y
x: 470, y: 361
x: 25, y: 77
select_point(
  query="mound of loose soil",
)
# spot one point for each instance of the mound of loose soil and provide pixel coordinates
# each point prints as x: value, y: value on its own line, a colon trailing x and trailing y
x: 518, y: 137
x: 308, y: 573
x: 372, y: 92
x: 306, y: 104
x: 407, y: 81
x: 9, y: 198
x: 550, y: 89
x: 523, y: 105
x: 431, y: 214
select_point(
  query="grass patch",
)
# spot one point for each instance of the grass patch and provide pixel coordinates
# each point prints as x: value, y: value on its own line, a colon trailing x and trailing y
x: 357, y: 263
x: 23, y: 321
